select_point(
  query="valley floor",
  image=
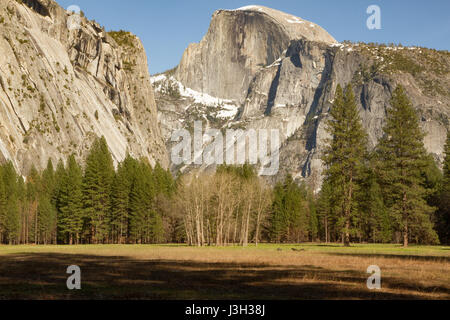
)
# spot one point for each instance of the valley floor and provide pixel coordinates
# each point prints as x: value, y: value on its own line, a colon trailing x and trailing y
x: 315, y: 271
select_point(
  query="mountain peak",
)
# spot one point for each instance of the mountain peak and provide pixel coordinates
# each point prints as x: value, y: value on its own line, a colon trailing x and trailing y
x: 296, y: 27
x: 238, y: 43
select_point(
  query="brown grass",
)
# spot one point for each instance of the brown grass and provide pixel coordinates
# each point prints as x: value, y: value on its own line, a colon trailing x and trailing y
x: 178, y: 272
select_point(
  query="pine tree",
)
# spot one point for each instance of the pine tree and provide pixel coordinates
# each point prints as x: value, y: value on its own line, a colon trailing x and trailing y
x: 343, y: 157
x: 48, y: 179
x: 326, y: 211
x: 46, y: 208
x: 97, y: 183
x: 47, y: 219
x: 375, y: 223
x: 313, y: 218
x: 298, y: 212
x: 33, y: 190
x: 120, y: 198
x: 141, y: 204
x: 11, y: 218
x: 402, y: 159
x: 156, y: 228
x: 444, y: 201
x: 70, y: 222
x: 278, y: 222
x: 3, y: 206
x: 60, y: 174
x: 163, y: 180
x: 22, y: 208
x: 290, y: 219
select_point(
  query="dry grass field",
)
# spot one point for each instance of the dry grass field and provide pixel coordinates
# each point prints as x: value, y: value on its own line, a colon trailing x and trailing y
x: 316, y: 271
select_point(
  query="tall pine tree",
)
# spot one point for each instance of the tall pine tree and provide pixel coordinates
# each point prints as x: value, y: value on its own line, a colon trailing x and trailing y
x: 444, y: 203
x: 70, y: 221
x: 402, y: 159
x: 3, y: 206
x: 10, y: 217
x: 97, y: 183
x: 46, y: 208
x: 124, y: 179
x: 373, y: 218
x: 344, y: 155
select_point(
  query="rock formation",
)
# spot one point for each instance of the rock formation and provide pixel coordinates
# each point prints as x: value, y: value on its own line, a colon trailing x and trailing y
x: 281, y: 72
x: 238, y: 43
x: 61, y: 88
x: 255, y: 68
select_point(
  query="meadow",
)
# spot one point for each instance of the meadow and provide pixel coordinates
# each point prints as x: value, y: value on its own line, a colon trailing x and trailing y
x: 268, y: 271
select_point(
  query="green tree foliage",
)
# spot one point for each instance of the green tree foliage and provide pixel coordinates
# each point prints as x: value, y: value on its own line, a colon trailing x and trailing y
x: 330, y: 228
x: 402, y: 161
x: 9, y: 195
x: 245, y: 171
x: 443, y: 219
x: 368, y: 197
x: 97, y: 183
x: 124, y: 179
x: 291, y: 219
x: 46, y: 209
x: 33, y: 191
x: 3, y: 206
x: 313, y: 216
x: 70, y: 222
x: 373, y: 219
x: 47, y: 220
x: 99, y: 204
x: 141, y: 213
x: 344, y: 156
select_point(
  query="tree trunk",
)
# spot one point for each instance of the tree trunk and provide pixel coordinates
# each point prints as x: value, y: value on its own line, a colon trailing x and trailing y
x: 36, y: 227
x: 348, y: 209
x: 405, y: 235
x: 347, y: 233
x: 258, y: 221
x: 405, y: 222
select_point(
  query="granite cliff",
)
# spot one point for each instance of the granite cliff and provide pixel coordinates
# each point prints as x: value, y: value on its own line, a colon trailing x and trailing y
x: 261, y: 68
x: 61, y: 87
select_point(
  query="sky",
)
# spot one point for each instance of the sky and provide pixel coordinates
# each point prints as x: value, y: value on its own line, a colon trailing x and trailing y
x: 166, y: 27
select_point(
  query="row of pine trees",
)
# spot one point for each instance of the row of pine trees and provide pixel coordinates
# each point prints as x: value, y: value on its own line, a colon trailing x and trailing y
x: 69, y: 205
x: 393, y: 193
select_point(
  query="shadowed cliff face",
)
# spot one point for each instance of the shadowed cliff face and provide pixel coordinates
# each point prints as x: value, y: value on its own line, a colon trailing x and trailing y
x: 61, y: 88
x: 283, y: 75
x: 296, y: 95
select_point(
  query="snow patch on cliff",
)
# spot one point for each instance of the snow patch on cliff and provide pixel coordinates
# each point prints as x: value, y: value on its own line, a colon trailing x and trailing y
x: 227, y: 108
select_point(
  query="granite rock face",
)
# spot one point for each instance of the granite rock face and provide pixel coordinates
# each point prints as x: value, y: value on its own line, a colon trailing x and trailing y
x: 61, y: 88
x: 238, y: 43
x: 282, y: 76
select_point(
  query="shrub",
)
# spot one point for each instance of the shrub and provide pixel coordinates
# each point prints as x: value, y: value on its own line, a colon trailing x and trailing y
x: 122, y: 38
x: 128, y: 66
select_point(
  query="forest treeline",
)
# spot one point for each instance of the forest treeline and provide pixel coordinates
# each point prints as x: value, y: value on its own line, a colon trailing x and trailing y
x: 393, y: 193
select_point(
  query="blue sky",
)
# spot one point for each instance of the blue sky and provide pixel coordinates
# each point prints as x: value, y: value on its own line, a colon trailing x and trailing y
x: 166, y: 27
